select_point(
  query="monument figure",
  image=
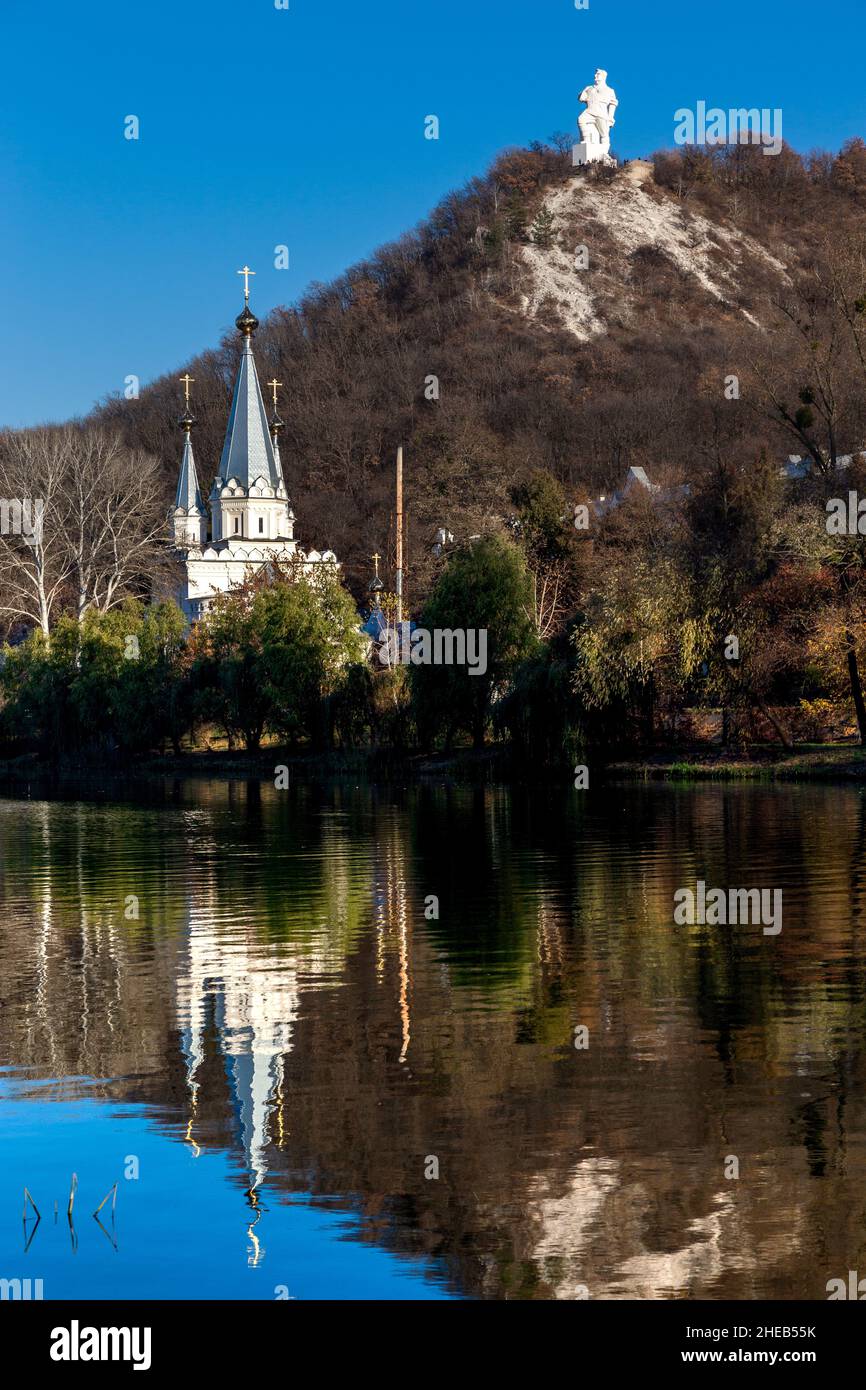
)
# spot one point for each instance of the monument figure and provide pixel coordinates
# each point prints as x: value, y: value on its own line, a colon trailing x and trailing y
x: 596, y: 121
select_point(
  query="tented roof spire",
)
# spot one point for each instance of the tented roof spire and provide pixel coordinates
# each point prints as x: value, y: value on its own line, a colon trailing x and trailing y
x: 248, y: 452
x: 188, y: 497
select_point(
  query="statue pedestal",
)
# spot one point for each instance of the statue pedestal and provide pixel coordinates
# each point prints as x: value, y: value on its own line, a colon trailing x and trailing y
x: 591, y: 153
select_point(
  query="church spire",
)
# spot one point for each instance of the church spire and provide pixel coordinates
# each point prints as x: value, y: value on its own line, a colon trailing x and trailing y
x: 276, y: 424
x: 189, y: 512
x: 248, y: 451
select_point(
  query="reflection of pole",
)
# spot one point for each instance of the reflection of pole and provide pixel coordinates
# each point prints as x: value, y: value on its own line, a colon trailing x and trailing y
x: 404, y: 967
x: 399, y: 584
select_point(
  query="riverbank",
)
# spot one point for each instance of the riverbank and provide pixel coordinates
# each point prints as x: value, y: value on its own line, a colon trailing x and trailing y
x: 271, y: 764
x: 841, y: 762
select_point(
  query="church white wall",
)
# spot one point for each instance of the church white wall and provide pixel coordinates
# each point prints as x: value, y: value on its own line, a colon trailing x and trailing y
x: 189, y: 530
x: 208, y: 577
x: 260, y: 514
x: 256, y: 519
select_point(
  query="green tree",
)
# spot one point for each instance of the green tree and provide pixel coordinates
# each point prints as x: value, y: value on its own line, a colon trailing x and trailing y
x: 542, y: 229
x: 540, y: 713
x: 154, y: 698
x: 269, y: 657
x: 113, y: 682
x: 485, y: 587
x: 36, y: 682
x: 311, y: 638
x: 228, y: 669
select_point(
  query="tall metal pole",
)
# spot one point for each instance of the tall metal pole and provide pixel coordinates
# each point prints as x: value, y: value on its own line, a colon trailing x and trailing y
x: 399, y: 536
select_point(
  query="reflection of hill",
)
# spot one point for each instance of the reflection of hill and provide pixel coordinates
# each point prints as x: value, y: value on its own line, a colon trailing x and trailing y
x: 281, y: 995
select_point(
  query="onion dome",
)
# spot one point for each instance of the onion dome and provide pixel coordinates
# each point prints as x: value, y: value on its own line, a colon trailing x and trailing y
x: 246, y: 321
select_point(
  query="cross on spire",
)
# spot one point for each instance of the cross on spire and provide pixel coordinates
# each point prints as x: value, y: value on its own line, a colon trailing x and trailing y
x: 187, y: 381
x: 376, y: 558
x: 246, y: 273
x: 273, y: 385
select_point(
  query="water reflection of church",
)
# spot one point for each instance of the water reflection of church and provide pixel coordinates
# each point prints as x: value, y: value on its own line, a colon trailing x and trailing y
x: 232, y: 993
x: 240, y: 996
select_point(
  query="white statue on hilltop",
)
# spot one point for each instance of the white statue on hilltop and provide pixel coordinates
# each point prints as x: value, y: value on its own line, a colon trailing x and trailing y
x: 596, y: 121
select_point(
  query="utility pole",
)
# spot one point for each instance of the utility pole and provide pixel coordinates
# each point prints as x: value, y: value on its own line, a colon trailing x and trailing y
x: 399, y: 577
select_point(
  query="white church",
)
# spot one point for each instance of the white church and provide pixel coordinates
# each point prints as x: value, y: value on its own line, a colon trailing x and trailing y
x: 251, y: 518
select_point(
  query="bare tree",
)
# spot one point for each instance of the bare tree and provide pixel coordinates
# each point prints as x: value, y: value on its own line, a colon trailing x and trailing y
x: 846, y: 260
x: 808, y: 382
x: 35, y: 560
x: 551, y: 583
x: 115, y: 518
x: 81, y: 521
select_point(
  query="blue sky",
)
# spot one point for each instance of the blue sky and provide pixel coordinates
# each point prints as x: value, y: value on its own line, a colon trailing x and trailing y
x: 304, y: 127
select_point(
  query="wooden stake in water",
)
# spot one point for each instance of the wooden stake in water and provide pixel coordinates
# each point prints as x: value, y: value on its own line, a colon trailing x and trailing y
x: 73, y: 1188
x: 112, y: 1192
x: 28, y: 1198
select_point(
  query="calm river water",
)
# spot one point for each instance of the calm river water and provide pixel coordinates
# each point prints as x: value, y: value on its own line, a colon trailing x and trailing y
x: 241, y: 1005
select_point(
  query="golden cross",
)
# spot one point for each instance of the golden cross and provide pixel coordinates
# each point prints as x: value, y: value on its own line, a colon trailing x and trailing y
x: 376, y: 559
x: 187, y: 382
x: 273, y: 385
x: 246, y: 273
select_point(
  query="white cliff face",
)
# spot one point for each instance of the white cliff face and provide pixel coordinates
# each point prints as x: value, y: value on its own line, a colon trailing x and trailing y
x: 613, y: 221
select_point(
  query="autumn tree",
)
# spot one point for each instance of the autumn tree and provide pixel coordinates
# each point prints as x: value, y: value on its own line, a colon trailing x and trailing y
x: 816, y: 532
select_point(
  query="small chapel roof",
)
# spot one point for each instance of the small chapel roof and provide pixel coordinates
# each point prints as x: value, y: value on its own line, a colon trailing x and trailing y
x: 188, y: 497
